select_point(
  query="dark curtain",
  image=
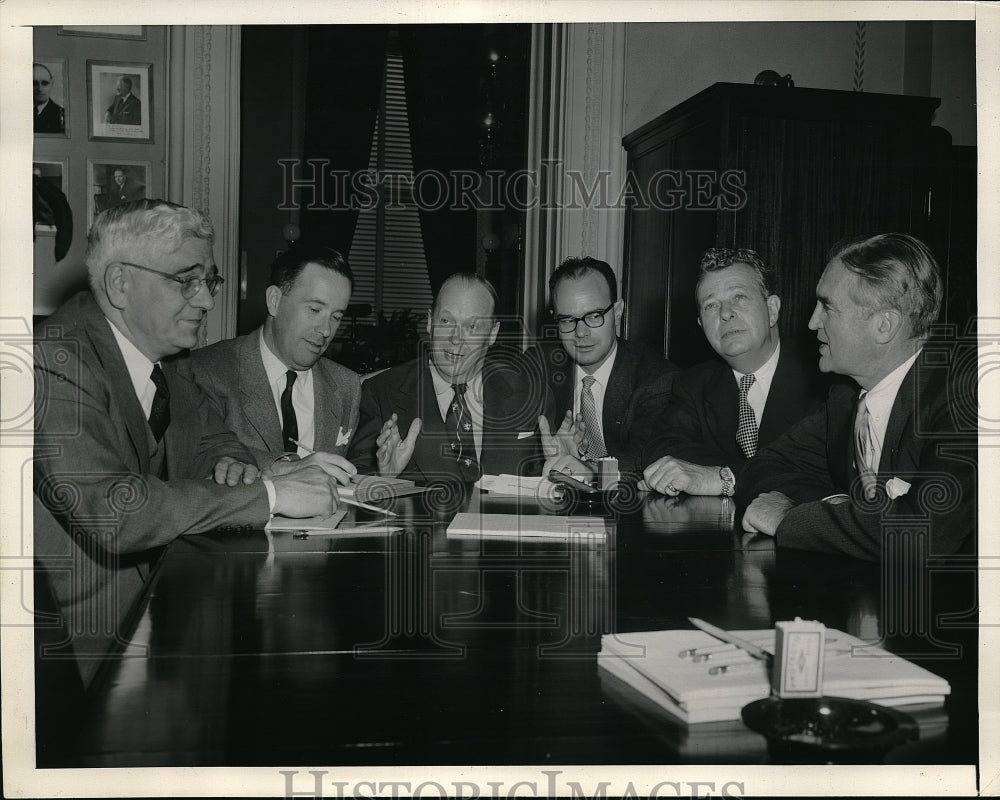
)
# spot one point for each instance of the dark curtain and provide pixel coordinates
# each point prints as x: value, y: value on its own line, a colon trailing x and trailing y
x: 342, y: 96
x: 442, y: 101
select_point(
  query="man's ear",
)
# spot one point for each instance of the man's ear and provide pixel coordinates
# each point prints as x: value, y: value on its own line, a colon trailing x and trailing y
x: 116, y: 285
x: 773, y: 307
x: 429, y: 312
x: 619, y: 309
x: 887, y: 324
x: 494, y: 332
x: 273, y: 295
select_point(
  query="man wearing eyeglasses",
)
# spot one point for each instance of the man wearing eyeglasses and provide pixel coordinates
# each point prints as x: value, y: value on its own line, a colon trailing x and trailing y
x: 455, y: 412
x: 273, y: 387
x: 129, y: 453
x: 723, y: 410
x: 50, y: 117
x: 607, y: 390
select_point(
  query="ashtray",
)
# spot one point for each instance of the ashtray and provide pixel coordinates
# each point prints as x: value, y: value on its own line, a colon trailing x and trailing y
x: 828, y: 729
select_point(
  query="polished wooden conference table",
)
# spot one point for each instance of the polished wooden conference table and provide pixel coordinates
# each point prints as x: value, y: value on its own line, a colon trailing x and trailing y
x: 409, y: 648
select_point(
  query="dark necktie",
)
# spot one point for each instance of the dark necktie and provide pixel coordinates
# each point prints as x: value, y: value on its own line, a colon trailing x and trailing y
x: 463, y: 443
x: 864, y: 449
x: 159, y: 412
x: 289, y: 424
x: 588, y: 408
x: 746, y: 433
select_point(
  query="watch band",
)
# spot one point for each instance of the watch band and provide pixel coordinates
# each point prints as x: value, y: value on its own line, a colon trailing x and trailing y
x: 728, y: 481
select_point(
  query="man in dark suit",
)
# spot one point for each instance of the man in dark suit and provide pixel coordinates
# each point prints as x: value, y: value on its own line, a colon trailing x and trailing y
x: 50, y: 117
x: 273, y: 387
x: 722, y: 411
x: 129, y: 454
x: 125, y: 190
x: 126, y: 108
x: 844, y: 478
x: 607, y: 390
x: 464, y: 413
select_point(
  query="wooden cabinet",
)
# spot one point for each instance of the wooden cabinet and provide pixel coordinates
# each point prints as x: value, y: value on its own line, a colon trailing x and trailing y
x: 785, y: 171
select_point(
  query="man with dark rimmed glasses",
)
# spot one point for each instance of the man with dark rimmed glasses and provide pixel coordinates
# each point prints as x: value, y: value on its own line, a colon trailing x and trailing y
x: 129, y: 454
x: 607, y: 389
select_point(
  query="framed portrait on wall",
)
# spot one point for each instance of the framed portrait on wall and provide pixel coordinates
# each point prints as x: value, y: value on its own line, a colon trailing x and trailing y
x: 51, y: 178
x: 50, y: 96
x: 110, y: 183
x: 137, y: 32
x: 120, y: 101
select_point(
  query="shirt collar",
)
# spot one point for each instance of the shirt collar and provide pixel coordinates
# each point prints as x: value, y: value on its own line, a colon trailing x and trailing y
x: 442, y: 386
x: 882, y: 395
x: 274, y: 366
x: 766, y: 371
x: 602, y: 374
x: 139, y: 367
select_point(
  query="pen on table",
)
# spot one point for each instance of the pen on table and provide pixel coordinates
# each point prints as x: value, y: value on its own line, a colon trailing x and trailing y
x: 347, y: 500
x: 732, y: 638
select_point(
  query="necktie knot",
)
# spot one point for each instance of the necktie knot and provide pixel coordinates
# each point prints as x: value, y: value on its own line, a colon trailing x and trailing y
x: 746, y: 381
x: 459, y: 389
x: 159, y: 412
x: 290, y: 377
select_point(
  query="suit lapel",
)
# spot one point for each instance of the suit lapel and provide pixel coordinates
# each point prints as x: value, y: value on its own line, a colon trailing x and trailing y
x: 418, y: 385
x: 900, y: 420
x: 563, y: 384
x: 133, y: 419
x: 723, y: 404
x: 618, y: 391
x: 258, y: 402
x: 326, y: 395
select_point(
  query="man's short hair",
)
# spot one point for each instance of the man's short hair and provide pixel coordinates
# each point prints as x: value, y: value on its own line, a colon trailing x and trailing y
x: 141, y: 226
x: 36, y: 64
x: 575, y: 267
x: 287, y: 267
x: 895, y: 270
x: 126, y: 80
x: 469, y: 278
x: 718, y: 258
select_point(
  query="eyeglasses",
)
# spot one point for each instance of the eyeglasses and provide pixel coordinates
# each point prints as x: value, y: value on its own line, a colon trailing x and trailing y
x: 189, y: 286
x: 593, y: 319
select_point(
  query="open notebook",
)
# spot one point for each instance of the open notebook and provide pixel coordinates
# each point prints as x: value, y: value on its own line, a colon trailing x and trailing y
x: 528, y: 526
x: 650, y: 662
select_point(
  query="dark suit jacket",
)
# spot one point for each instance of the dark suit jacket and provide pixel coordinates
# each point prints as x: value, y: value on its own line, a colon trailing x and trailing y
x: 128, y: 113
x: 52, y: 119
x: 232, y: 374
x: 700, y: 424
x: 637, y: 394
x: 925, y: 445
x: 511, y: 443
x: 100, y: 513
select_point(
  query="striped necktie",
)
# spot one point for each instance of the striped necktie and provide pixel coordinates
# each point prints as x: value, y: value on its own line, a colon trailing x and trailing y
x: 864, y: 448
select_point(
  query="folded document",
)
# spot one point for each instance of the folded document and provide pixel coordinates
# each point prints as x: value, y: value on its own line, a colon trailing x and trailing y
x: 528, y: 526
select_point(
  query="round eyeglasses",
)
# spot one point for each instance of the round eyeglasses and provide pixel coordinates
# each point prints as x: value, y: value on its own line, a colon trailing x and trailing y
x: 592, y: 319
x: 189, y: 286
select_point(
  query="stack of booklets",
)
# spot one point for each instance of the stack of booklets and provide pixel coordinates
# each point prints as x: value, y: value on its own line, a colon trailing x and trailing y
x: 528, y: 526
x: 373, y: 488
x: 662, y: 666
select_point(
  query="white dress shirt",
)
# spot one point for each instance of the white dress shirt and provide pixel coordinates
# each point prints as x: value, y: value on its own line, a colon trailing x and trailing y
x: 473, y: 401
x: 303, y: 397
x: 757, y: 393
x: 601, y: 376
x: 879, y: 400
x: 140, y: 370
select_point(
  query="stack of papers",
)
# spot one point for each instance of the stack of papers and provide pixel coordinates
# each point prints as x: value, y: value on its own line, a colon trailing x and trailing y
x: 528, y: 526
x: 372, y: 488
x: 306, y: 523
x: 518, y: 485
x: 686, y: 688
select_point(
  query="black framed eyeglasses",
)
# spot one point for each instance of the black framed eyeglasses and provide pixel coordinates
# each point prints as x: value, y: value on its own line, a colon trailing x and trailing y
x: 189, y: 286
x: 592, y: 319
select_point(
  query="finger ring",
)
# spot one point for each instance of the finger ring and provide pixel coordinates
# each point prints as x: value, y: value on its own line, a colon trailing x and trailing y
x: 670, y: 488
x: 569, y: 470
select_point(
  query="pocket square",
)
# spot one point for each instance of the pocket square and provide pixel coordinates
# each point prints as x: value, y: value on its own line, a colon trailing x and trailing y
x: 896, y: 487
x: 525, y: 434
x: 342, y: 437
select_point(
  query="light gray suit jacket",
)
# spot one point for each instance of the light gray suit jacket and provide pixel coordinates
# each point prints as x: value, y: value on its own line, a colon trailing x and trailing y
x: 232, y: 374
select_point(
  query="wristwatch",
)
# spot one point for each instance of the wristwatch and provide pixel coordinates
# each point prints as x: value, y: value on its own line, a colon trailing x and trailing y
x: 728, y: 481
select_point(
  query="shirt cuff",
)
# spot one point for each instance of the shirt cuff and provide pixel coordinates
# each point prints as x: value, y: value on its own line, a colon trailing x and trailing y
x: 270, y: 495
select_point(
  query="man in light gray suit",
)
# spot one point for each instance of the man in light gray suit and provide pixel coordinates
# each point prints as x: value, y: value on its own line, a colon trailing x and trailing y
x: 272, y: 387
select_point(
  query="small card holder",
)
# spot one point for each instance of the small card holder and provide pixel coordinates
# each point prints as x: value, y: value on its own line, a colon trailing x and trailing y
x: 798, y: 658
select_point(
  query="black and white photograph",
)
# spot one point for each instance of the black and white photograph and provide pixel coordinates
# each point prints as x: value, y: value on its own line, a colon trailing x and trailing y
x: 49, y: 179
x: 50, y: 98
x: 120, y: 100
x: 111, y: 183
x: 438, y: 405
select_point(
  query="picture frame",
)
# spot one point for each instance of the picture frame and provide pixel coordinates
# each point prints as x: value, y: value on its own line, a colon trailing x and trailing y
x: 104, y: 189
x: 54, y: 120
x: 56, y: 172
x: 135, y: 32
x: 120, y: 104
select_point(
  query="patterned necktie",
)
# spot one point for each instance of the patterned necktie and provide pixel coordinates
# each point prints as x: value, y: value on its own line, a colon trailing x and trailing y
x: 864, y: 448
x: 463, y: 444
x: 289, y: 424
x: 592, y: 436
x: 159, y: 412
x: 746, y: 433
